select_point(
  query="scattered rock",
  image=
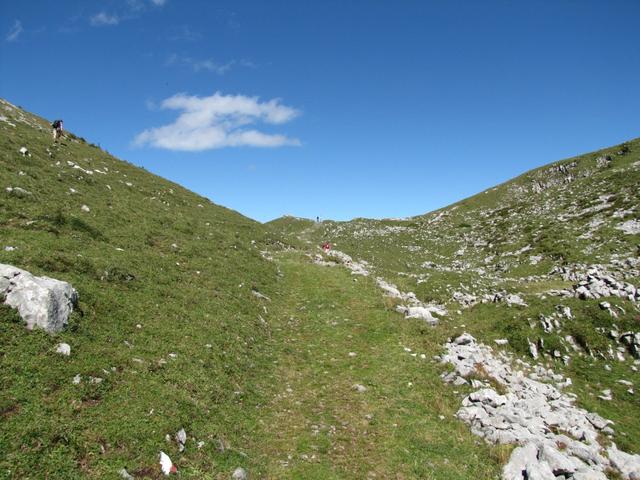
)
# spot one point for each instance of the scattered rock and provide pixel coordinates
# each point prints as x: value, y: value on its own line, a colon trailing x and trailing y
x: 64, y: 349
x: 630, y: 227
x: 181, y: 439
x: 606, y: 395
x: 603, y: 161
x: 239, y: 474
x: 259, y: 295
x: 125, y: 475
x: 84, y: 208
x: 359, y: 388
x: 598, y: 284
x: 17, y: 192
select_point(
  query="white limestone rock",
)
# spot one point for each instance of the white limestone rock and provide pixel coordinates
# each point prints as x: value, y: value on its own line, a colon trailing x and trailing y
x: 528, y: 413
x: 64, y: 349
x: 42, y: 302
x: 181, y: 439
x: 630, y: 227
x: 239, y: 474
x: 517, y: 465
x: 628, y: 465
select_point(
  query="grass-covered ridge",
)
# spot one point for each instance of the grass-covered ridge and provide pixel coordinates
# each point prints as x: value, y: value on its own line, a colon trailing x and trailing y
x: 166, y: 319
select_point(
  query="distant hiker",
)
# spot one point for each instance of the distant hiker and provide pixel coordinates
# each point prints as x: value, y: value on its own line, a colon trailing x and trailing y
x: 317, y: 219
x: 57, y: 129
x: 326, y: 246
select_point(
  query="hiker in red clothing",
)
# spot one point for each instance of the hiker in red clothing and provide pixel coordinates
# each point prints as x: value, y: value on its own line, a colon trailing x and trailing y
x: 326, y: 246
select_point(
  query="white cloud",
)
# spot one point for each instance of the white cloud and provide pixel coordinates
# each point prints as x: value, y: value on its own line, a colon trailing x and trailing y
x: 14, y: 32
x: 158, y: 3
x: 103, y: 18
x: 219, y: 121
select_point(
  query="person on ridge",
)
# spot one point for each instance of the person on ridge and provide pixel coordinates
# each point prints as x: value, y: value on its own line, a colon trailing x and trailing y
x: 57, y: 129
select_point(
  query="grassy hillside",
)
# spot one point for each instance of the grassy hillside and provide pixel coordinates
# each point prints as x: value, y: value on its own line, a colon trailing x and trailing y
x: 537, y: 233
x: 193, y: 316
x: 166, y: 321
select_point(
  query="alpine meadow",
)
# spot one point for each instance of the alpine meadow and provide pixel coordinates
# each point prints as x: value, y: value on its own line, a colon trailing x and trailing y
x: 319, y: 240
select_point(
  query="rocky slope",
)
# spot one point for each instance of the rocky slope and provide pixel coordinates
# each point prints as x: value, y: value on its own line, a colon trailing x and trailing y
x: 546, y: 266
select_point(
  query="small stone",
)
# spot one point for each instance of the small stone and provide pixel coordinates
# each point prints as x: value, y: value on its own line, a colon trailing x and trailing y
x: 77, y: 379
x: 84, y: 208
x: 359, y: 388
x: 64, y: 349
x: 124, y: 474
x: 239, y: 474
x: 606, y: 395
x: 181, y: 439
x: 464, y: 339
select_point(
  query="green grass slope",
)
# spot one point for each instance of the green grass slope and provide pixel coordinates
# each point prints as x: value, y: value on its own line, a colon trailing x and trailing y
x: 167, y: 333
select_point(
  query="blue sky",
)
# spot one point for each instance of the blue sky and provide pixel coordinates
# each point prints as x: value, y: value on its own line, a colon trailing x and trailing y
x: 339, y: 108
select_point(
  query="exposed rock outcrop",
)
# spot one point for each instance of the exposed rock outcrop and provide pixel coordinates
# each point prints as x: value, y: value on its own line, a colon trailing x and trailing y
x: 556, y: 438
x: 42, y: 302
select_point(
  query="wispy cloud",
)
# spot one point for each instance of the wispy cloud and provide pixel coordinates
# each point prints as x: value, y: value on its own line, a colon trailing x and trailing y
x: 218, y: 121
x: 184, y: 33
x: 14, y: 32
x: 103, y: 19
x: 137, y: 5
x: 129, y: 10
x: 207, y: 64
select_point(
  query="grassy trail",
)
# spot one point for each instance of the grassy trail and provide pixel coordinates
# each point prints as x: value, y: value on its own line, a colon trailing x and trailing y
x: 330, y: 332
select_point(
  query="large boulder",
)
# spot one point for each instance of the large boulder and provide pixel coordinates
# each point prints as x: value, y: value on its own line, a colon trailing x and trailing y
x: 41, y: 301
